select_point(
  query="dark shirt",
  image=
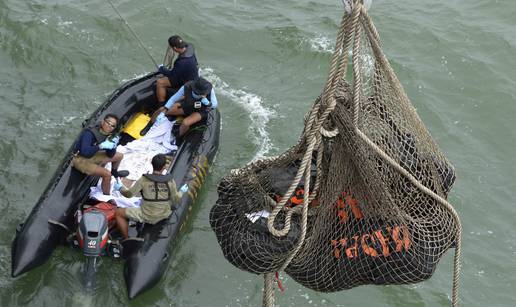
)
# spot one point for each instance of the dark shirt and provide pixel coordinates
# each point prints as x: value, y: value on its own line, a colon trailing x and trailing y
x: 88, y: 147
x: 185, y: 68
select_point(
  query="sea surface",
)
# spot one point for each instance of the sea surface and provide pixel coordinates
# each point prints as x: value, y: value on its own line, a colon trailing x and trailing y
x: 60, y: 59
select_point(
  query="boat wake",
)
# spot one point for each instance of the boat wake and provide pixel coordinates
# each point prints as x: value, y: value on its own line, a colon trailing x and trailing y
x: 259, y: 114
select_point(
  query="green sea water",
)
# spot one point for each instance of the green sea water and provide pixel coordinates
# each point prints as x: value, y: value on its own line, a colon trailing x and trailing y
x: 60, y: 59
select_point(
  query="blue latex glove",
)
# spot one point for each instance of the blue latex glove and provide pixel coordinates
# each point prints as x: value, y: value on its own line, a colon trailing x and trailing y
x: 184, y: 188
x: 117, y: 186
x: 161, y: 117
x: 107, y: 145
x: 162, y: 69
x: 205, y: 101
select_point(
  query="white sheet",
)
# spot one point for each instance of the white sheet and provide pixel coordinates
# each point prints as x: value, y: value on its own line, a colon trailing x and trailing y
x: 254, y: 216
x: 138, y: 153
x: 121, y: 201
x: 137, y: 160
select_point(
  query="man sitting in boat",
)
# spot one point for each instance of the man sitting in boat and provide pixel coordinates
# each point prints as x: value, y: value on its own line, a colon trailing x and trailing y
x: 185, y: 68
x: 95, y: 148
x: 156, y: 190
x: 194, y: 101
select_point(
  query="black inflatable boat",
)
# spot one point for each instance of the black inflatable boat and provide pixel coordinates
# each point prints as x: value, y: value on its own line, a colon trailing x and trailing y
x: 145, y: 262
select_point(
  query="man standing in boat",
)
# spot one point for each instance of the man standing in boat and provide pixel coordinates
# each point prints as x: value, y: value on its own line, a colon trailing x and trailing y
x: 95, y: 148
x: 158, y: 192
x: 185, y: 68
x: 194, y: 101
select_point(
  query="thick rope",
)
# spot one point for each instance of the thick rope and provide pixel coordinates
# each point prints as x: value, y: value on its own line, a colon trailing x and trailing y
x: 305, y: 169
x: 356, y: 91
x: 306, y: 161
x: 357, y: 76
x: 329, y: 134
x: 313, y: 140
x: 268, y: 290
x: 312, y: 136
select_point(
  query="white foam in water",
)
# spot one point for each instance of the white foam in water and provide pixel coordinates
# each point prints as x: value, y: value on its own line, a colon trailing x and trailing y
x: 253, y: 104
x: 65, y: 26
x: 62, y: 23
x: 322, y: 44
x: 48, y: 123
x: 367, y: 64
x: 134, y: 77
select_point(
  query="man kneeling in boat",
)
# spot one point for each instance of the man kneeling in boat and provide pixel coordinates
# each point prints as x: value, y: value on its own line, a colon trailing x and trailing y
x: 95, y: 148
x: 157, y: 191
x: 194, y: 100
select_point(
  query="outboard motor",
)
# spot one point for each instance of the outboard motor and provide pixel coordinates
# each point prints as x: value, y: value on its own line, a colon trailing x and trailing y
x: 92, y: 236
x: 93, y: 233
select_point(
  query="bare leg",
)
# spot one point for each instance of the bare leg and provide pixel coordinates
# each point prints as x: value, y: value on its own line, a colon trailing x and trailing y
x: 176, y: 110
x: 106, y: 179
x: 161, y: 89
x: 188, y: 121
x: 121, y: 222
x: 105, y: 174
x: 115, y: 161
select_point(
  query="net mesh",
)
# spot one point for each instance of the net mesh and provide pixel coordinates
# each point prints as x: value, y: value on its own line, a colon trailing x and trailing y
x: 338, y: 210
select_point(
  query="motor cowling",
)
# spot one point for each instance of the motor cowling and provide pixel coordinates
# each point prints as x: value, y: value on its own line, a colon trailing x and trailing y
x: 93, y: 233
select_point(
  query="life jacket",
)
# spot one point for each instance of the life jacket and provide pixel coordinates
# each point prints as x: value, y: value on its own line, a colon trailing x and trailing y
x: 160, y: 183
x: 296, y: 199
x: 191, y: 101
x: 98, y: 136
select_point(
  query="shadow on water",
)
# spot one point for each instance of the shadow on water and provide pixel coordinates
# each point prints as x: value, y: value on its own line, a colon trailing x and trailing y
x: 83, y: 299
x: 88, y: 272
x: 398, y: 295
x: 95, y: 281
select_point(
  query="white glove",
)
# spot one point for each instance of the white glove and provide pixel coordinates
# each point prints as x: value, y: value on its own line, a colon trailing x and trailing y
x: 184, y: 188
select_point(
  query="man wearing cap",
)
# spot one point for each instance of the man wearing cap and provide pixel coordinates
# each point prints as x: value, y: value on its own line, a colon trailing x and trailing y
x: 185, y: 68
x: 194, y: 101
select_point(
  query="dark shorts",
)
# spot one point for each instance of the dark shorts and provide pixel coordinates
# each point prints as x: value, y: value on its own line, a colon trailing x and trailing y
x: 188, y: 109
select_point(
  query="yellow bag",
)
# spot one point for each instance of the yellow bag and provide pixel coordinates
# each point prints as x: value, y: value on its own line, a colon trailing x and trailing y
x: 136, y: 124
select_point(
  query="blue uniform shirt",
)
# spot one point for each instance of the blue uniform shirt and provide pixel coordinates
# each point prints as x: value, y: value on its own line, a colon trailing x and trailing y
x: 86, y: 145
x: 181, y: 92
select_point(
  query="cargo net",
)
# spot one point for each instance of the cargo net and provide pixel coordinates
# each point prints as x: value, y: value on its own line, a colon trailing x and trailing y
x: 360, y: 199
